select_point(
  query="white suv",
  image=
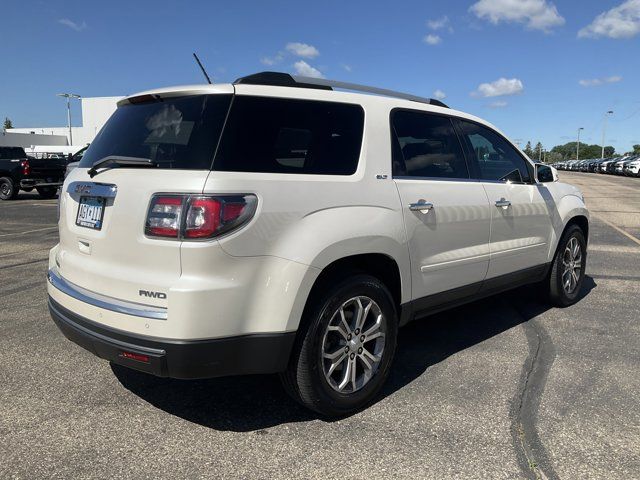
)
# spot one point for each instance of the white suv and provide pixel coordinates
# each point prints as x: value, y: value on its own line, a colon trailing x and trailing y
x: 278, y: 225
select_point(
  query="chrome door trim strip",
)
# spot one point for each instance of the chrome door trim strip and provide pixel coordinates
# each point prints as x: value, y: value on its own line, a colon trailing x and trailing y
x: 455, y: 263
x: 516, y: 249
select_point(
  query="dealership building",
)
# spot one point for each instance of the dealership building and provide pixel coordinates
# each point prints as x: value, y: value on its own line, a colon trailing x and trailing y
x: 95, y: 112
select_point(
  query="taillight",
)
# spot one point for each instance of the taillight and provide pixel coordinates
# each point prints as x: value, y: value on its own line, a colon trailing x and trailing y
x: 205, y: 216
x: 163, y: 219
x: 26, y: 168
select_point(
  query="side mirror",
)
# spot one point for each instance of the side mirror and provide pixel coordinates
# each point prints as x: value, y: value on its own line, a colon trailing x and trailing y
x: 546, y: 173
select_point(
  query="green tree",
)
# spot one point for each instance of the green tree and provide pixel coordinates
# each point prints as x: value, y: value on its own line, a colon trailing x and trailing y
x: 537, y: 152
x: 568, y: 151
x: 553, y: 157
x: 636, y: 149
x: 528, y: 150
x: 7, y: 123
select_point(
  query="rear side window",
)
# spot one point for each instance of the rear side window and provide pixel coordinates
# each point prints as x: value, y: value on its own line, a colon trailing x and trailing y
x: 180, y: 132
x: 495, y: 157
x: 275, y: 135
x: 426, y: 145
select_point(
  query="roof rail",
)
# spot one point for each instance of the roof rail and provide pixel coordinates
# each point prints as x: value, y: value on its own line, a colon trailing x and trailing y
x: 286, y: 80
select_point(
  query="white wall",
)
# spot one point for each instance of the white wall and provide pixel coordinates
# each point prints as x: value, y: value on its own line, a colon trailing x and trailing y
x: 95, y: 112
x: 26, y: 140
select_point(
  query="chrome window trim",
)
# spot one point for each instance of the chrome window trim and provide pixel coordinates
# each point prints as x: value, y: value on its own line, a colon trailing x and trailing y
x: 461, y: 180
x: 103, y: 301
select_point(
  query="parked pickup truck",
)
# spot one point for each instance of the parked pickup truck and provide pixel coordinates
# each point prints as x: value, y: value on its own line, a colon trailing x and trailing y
x: 20, y: 172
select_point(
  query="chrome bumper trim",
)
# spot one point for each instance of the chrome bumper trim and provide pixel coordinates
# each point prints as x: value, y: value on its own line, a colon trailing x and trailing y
x: 103, y: 301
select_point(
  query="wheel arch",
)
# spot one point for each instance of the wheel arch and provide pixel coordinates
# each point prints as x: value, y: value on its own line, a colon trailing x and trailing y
x: 581, y: 221
x: 379, y: 265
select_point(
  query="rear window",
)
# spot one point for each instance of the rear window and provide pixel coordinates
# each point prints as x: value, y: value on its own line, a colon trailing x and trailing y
x: 180, y: 132
x: 274, y: 135
x: 10, y: 153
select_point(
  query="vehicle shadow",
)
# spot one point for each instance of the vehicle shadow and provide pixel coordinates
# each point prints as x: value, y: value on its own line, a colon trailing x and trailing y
x: 33, y: 195
x: 252, y: 403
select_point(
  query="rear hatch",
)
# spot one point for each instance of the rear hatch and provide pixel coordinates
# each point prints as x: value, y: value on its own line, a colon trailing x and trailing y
x: 103, y: 245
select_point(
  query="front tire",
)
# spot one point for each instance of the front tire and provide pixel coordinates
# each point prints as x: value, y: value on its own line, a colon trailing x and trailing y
x: 345, y: 347
x: 567, y: 273
x: 8, y: 189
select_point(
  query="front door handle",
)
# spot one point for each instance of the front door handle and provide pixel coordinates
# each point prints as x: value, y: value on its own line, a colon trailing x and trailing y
x: 421, y: 206
x: 503, y: 202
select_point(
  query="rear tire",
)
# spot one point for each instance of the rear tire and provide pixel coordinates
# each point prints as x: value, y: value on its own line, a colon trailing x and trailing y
x: 46, y: 192
x: 352, y: 328
x: 8, y: 189
x: 565, y: 280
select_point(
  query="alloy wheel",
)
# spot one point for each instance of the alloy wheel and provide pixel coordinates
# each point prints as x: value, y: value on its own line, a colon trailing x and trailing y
x: 353, y: 344
x: 572, y: 265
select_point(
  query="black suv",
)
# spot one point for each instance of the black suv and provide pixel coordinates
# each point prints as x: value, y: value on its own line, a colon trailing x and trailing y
x: 20, y: 172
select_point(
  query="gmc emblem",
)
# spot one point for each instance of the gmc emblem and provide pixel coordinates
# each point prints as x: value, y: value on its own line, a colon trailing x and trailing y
x: 150, y: 294
x: 81, y: 188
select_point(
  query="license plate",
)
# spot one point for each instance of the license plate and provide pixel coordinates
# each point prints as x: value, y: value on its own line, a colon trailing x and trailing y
x: 90, y: 212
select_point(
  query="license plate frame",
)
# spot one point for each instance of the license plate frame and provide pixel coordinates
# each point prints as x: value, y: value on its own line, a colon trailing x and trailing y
x: 91, y: 219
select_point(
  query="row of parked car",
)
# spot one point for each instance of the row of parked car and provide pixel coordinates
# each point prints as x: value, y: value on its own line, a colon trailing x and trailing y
x: 628, y: 165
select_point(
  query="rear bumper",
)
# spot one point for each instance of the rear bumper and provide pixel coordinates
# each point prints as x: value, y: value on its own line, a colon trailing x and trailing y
x: 186, y: 359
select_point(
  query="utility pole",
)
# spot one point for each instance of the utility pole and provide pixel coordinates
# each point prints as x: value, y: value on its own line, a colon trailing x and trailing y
x: 69, y: 96
x: 604, y: 129
x: 540, y: 153
x: 578, y: 146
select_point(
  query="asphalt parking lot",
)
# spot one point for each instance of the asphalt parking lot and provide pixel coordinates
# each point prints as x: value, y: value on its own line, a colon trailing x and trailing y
x: 502, y: 388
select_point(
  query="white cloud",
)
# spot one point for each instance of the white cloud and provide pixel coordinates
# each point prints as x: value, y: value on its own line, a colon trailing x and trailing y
x: 432, y: 39
x: 302, y: 50
x: 348, y: 68
x: 272, y: 60
x: 439, y: 94
x: 594, y: 82
x: 535, y: 14
x: 498, y: 104
x: 622, y: 21
x: 78, y: 27
x: 306, y: 70
x: 440, y: 24
x: 500, y: 87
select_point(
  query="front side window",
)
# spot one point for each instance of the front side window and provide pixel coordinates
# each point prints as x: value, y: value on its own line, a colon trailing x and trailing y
x: 426, y: 145
x: 494, y: 157
x: 276, y: 135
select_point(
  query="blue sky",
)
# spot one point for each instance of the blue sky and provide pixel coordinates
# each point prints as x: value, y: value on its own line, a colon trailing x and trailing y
x: 562, y: 63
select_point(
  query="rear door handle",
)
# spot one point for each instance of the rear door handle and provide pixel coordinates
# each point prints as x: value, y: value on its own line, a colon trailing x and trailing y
x: 504, y: 203
x: 421, y: 206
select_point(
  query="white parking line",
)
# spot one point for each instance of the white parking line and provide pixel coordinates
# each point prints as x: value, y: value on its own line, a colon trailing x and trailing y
x: 618, y: 229
x: 28, y: 231
x: 28, y: 250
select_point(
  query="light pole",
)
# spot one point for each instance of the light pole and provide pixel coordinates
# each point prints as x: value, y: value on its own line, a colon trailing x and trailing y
x: 604, y: 129
x: 69, y: 96
x: 578, y: 146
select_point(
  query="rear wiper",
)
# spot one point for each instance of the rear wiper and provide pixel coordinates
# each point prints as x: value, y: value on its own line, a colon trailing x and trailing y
x: 113, y: 160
